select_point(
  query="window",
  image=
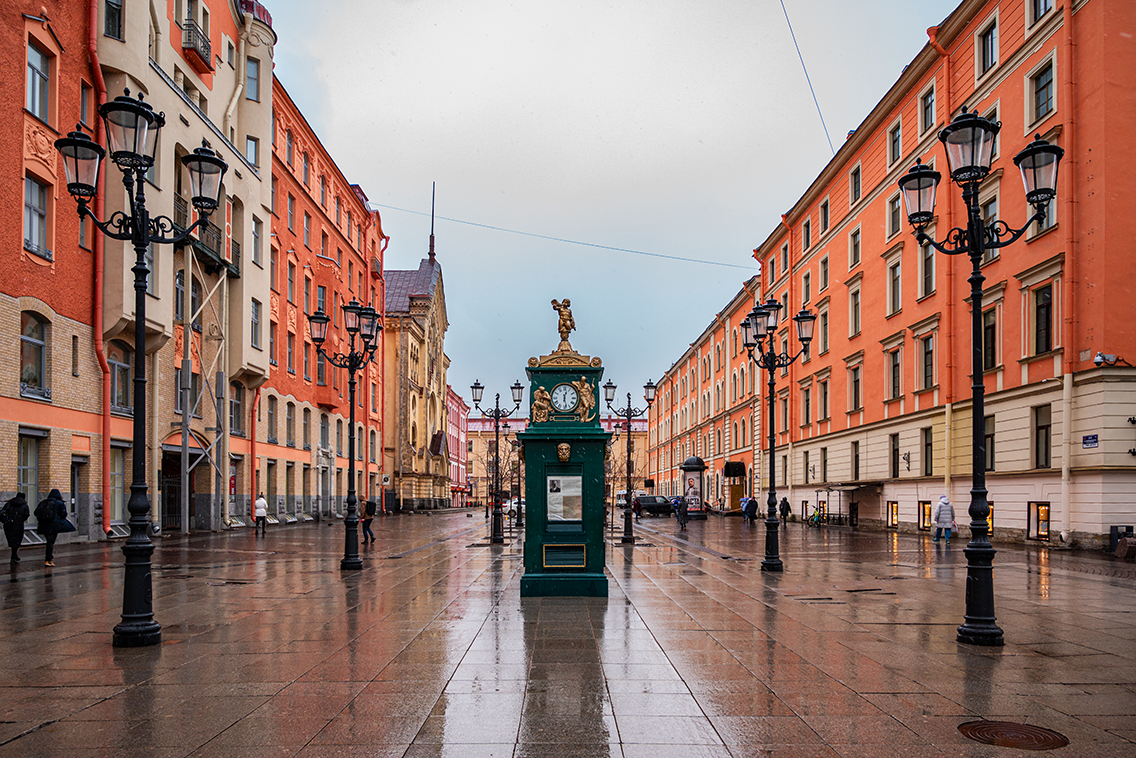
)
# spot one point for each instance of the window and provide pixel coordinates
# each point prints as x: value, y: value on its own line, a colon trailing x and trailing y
x: 195, y: 303
x: 307, y: 169
x: 992, y: 116
x: 39, y: 73
x: 372, y: 447
x: 806, y: 288
x: 785, y: 413
x: 325, y: 431
x: 273, y: 200
x: 323, y: 191
x: 988, y: 48
x: 1041, y: 85
x: 989, y: 339
x: 338, y: 209
x: 307, y: 362
x: 291, y: 213
x: 806, y: 406
x: 853, y: 313
x: 807, y: 235
x: 272, y: 418
x: 989, y: 210
x: 27, y: 469
x: 151, y: 287
x: 291, y: 282
x: 928, y: 451
x: 927, y: 346
x: 893, y: 448
x: 351, y: 276
x: 855, y: 461
x: 822, y: 396
x: 1043, y: 319
x: 823, y: 273
x: 772, y: 271
x: 895, y: 143
x: 291, y: 350
x: 824, y: 464
x: 339, y: 436
x: 117, y: 483
x: 230, y: 54
x: 307, y: 295
x: 854, y: 185
x: 85, y: 103
x: 272, y: 343
x: 854, y: 388
x: 252, y: 91
x: 988, y: 440
x: 1049, y: 220
x: 33, y: 356
x: 113, y: 19
x: 236, y: 408
x: 926, y: 270
x: 823, y: 332
x: 1042, y: 439
x: 785, y: 258
x: 307, y: 429
x: 118, y: 358
x: 925, y: 513
x: 194, y: 392
x: 323, y: 244
x: 307, y: 230
x: 35, y: 218
x: 894, y: 216
x: 894, y: 288
x: 895, y: 374
x: 321, y: 369
x: 927, y: 110
x: 257, y: 235
x: 252, y: 150
x: 805, y: 461
x: 1038, y: 8
x: 321, y: 298
x: 289, y: 146
x: 854, y: 248
x: 1038, y: 527
x: 254, y: 327
x: 824, y: 217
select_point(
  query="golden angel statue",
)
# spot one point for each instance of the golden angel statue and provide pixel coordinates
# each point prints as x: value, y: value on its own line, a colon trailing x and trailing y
x: 566, y: 323
x: 541, y: 405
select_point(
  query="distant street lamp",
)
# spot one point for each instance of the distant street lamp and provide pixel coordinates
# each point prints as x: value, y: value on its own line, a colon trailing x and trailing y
x: 759, y: 330
x: 497, y: 534
x: 629, y: 413
x: 132, y: 129
x: 361, y: 321
x: 518, y: 448
x: 969, y: 141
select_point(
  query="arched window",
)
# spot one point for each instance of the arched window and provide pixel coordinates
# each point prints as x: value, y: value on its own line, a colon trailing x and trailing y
x: 33, y: 355
x: 735, y: 434
x: 118, y: 356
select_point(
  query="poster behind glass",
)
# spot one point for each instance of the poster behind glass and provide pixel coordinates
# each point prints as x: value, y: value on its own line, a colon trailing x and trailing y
x: 693, y: 491
x: 565, y: 498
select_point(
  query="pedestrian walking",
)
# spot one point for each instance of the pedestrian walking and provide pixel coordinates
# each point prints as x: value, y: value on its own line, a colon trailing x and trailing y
x: 50, y: 514
x: 13, y: 515
x: 369, y: 511
x: 260, y: 513
x: 944, y: 519
x: 749, y: 510
x: 681, y: 512
x: 786, y: 509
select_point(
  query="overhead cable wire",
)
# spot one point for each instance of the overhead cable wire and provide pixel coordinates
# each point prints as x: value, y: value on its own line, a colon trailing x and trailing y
x: 567, y: 241
x: 807, y: 79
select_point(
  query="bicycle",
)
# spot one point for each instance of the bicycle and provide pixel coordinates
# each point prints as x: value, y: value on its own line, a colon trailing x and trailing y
x: 814, y: 519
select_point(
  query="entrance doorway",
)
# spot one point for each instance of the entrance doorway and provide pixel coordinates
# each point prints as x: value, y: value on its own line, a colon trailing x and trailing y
x: 171, y: 492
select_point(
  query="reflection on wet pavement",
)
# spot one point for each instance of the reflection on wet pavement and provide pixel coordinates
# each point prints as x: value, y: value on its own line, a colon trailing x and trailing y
x: 269, y: 650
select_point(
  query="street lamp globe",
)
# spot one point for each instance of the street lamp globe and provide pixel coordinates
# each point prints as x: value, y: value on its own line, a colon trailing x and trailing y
x: 1038, y: 162
x: 206, y: 170
x: 649, y: 392
x: 772, y: 310
x: 918, y: 187
x: 368, y: 324
x: 969, y: 140
x: 82, y: 161
x: 609, y: 391
x: 351, y: 312
x: 317, y: 324
x: 476, y: 389
x: 805, y: 321
x: 518, y: 392
x: 128, y: 124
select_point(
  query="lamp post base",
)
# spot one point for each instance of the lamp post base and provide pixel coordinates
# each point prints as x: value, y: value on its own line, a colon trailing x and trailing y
x: 137, y: 634
x: 978, y: 627
x: 498, y: 528
x: 772, y: 561
x: 628, y: 538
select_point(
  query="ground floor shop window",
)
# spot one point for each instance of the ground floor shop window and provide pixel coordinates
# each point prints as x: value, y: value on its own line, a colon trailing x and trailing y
x: 1039, y: 521
x: 117, y: 483
x: 27, y: 470
x: 925, y: 515
x: 893, y: 514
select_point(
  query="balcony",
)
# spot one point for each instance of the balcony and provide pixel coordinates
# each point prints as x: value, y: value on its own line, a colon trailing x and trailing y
x: 210, y: 241
x: 376, y: 267
x: 195, y: 45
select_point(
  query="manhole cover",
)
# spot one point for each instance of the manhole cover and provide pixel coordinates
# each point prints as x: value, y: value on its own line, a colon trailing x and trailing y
x: 1009, y: 734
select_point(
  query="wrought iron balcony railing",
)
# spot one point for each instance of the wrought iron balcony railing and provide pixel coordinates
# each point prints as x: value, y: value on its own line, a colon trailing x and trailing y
x: 195, y: 41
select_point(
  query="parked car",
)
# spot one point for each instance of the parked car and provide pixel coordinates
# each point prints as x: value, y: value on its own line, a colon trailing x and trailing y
x: 654, y: 505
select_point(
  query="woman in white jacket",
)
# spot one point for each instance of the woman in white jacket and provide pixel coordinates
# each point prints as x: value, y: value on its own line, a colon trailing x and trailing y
x: 944, y: 519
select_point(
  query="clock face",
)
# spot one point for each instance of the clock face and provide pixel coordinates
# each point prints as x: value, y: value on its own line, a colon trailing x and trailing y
x: 564, y: 397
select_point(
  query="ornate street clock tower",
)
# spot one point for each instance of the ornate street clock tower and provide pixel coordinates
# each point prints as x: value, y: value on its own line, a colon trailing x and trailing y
x: 564, y: 447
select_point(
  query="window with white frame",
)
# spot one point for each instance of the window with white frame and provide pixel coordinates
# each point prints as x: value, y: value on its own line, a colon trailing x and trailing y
x: 118, y: 357
x: 806, y: 287
x: 894, y: 216
x: 927, y: 352
x: 254, y: 324
x: 854, y: 185
x: 824, y: 216
x: 823, y: 274
x: 855, y: 393
x: 807, y: 234
x: 1041, y: 94
x: 927, y: 109
x: 38, y: 97
x: 986, y: 47
x: 1037, y: 10
x: 1042, y: 302
x: 33, y: 355
x: 926, y: 270
x: 36, y: 197
x: 785, y: 258
x: 895, y: 142
x: 822, y: 400
x: 252, y: 91
x: 895, y: 375
x: 823, y: 331
x: 854, y: 312
x: 252, y: 150
x: 854, y: 248
x: 988, y: 206
x: 895, y: 286
x: 257, y: 237
x: 989, y: 339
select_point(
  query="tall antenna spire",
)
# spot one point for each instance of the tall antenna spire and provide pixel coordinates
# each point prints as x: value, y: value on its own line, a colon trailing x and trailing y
x: 433, y: 186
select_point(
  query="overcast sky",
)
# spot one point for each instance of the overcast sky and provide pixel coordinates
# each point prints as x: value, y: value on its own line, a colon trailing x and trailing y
x: 681, y: 128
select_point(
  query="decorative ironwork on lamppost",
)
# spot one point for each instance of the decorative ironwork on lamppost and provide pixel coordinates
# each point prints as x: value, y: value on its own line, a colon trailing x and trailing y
x: 759, y: 331
x: 629, y: 413
x: 969, y: 142
x: 497, y: 534
x: 362, y: 322
x: 132, y: 129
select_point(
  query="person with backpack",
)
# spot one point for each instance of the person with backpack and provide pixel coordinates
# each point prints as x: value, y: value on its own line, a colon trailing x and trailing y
x: 13, y: 515
x: 944, y: 519
x: 260, y: 514
x: 50, y: 515
x: 749, y: 512
x: 679, y: 504
x: 369, y: 511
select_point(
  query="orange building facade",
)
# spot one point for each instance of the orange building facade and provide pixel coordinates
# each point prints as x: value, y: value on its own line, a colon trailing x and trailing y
x: 874, y: 421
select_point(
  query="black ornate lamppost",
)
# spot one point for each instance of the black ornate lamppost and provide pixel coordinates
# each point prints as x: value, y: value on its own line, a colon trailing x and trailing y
x: 132, y: 129
x: 969, y: 141
x: 629, y: 413
x: 497, y: 534
x: 759, y: 331
x: 518, y: 449
x: 361, y: 321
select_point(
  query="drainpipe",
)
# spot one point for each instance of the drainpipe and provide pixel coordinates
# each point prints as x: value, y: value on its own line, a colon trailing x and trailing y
x: 791, y: 376
x: 100, y: 201
x: 1069, y: 291
x: 949, y: 330
x: 253, y: 469
x: 241, y: 69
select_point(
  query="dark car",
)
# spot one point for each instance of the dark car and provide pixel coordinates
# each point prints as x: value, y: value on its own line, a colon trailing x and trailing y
x: 654, y: 505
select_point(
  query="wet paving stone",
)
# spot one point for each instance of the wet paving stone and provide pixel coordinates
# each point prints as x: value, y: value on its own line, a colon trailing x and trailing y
x: 270, y: 650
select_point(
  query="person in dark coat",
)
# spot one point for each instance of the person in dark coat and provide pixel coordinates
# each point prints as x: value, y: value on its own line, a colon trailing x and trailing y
x: 369, y: 511
x: 681, y: 512
x: 786, y: 509
x: 48, y: 514
x: 15, y: 514
x: 750, y: 510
